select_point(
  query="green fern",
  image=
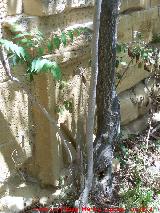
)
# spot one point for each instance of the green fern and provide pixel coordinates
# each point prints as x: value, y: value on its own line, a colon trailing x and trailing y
x: 56, y: 41
x: 29, y: 48
x: 64, y: 38
x: 70, y: 34
x: 13, y: 48
x: 44, y: 65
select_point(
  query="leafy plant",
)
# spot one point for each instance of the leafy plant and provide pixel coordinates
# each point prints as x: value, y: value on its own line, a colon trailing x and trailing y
x: 30, y: 48
x: 139, y: 51
x: 137, y: 197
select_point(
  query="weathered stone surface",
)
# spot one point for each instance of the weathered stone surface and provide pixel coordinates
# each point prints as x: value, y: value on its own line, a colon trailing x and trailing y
x: 146, y: 22
x: 14, y: 120
x: 51, y: 7
x: 129, y: 6
x: 14, y: 7
x: 132, y: 77
x: 134, y: 103
x: 46, y: 8
x: 55, y: 24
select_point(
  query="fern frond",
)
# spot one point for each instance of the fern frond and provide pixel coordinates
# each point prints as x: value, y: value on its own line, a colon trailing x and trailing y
x: 14, y: 48
x: 45, y: 65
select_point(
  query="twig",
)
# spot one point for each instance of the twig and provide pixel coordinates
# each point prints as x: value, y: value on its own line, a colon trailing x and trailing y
x: 149, y: 132
x: 155, y: 129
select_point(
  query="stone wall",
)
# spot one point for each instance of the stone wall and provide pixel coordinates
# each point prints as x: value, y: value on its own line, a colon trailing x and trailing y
x: 24, y: 127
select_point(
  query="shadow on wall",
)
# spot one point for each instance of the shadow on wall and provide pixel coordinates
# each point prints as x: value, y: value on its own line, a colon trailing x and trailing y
x: 10, y: 150
x: 14, y: 141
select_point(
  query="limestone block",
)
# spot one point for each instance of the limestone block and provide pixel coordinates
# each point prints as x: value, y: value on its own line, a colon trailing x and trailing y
x: 51, y: 7
x: 14, y: 7
x: 132, y: 77
x: 128, y: 6
x: 45, y: 8
x: 145, y: 21
x: 52, y: 24
x: 47, y: 160
x: 134, y: 103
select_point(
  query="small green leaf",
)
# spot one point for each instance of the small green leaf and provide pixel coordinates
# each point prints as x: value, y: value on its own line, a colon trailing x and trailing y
x: 56, y: 41
x: 41, y: 64
x: 47, y: 65
x: 33, y: 65
x: 64, y: 39
x: 68, y: 105
x: 118, y: 48
x: 21, y: 35
x: 50, y: 47
x: 119, y: 76
x: 117, y: 63
x: 40, y: 51
x: 70, y: 34
x: 14, y: 48
x: 23, y: 41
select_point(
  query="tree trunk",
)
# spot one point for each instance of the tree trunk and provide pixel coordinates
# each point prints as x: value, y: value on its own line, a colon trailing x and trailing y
x: 91, y: 106
x: 108, y: 110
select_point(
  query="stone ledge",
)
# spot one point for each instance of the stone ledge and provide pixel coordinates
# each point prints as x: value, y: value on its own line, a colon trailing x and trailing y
x: 52, y: 24
x: 47, y: 8
x: 132, y: 77
x: 63, y: 57
x: 135, y: 101
x: 146, y: 21
x: 129, y: 6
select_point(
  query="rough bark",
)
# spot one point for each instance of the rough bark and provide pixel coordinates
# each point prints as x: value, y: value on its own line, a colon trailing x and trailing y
x: 108, y: 110
x: 91, y: 105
